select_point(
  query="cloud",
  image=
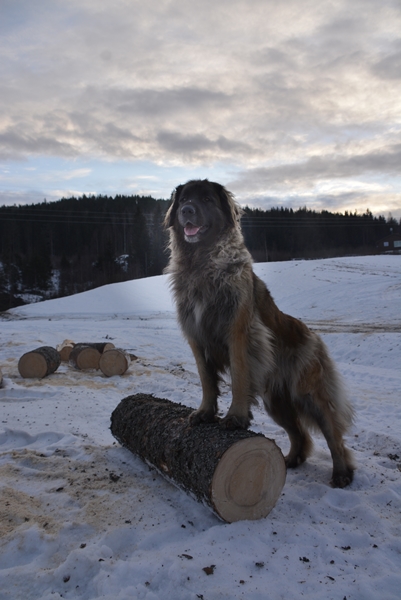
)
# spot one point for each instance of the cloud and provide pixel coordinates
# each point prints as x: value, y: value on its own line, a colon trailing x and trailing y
x: 286, y: 94
x: 164, y: 102
x: 389, y: 67
x: 316, y: 168
x: 200, y: 145
x: 382, y: 203
x: 28, y: 196
x: 16, y: 144
x: 74, y: 174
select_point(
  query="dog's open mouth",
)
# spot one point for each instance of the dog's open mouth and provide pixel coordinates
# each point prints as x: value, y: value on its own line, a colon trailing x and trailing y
x: 191, y: 231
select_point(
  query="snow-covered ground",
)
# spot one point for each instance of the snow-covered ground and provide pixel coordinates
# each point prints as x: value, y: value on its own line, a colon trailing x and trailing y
x: 69, y: 530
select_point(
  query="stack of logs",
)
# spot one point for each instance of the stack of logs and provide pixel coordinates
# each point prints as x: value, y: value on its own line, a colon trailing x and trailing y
x: 46, y: 360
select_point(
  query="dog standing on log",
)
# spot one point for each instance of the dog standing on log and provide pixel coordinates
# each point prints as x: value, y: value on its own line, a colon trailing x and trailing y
x: 231, y: 322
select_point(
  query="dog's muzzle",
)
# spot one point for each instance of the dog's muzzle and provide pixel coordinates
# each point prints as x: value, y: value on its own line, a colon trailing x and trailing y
x: 188, y: 217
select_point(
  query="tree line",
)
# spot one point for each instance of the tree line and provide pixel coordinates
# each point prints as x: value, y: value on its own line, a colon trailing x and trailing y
x: 285, y: 234
x: 60, y: 248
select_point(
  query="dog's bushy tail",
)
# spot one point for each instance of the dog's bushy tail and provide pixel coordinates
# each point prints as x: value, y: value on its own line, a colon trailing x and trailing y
x: 336, y: 394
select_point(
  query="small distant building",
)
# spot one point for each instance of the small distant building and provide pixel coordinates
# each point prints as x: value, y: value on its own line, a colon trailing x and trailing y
x: 390, y: 244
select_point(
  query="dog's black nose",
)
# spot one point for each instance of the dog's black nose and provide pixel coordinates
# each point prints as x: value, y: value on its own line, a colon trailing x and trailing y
x: 187, y: 210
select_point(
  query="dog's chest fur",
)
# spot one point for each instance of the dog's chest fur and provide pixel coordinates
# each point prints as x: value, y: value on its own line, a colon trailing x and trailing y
x: 209, y: 290
x: 206, y: 306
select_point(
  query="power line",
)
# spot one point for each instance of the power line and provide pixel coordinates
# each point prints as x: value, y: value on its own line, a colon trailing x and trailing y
x: 246, y: 222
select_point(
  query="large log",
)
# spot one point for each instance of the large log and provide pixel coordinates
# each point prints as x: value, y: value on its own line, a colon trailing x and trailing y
x: 239, y: 474
x: 39, y: 362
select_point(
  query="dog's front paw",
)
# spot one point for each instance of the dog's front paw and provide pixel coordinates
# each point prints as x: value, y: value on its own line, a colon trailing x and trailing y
x: 292, y: 462
x: 202, y: 416
x: 234, y: 422
x: 341, y: 479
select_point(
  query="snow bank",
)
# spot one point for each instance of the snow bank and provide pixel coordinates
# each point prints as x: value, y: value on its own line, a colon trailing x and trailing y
x: 83, y: 518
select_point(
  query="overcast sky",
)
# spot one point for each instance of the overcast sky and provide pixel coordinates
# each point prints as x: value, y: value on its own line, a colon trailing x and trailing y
x: 287, y: 102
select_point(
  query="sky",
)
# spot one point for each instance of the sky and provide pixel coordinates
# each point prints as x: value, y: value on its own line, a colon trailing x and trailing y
x: 294, y: 103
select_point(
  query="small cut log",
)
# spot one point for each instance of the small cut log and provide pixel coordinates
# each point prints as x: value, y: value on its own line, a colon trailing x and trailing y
x: 39, y: 363
x: 84, y: 357
x: 65, y: 349
x: 238, y: 474
x: 114, y: 362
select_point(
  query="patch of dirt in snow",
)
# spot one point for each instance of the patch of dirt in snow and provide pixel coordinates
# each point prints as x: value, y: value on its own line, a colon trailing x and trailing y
x: 54, y: 490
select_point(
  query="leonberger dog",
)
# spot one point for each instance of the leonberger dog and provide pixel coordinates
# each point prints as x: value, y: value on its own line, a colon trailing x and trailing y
x: 232, y: 323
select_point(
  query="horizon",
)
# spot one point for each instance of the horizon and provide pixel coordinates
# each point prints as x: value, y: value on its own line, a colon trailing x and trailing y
x: 344, y: 213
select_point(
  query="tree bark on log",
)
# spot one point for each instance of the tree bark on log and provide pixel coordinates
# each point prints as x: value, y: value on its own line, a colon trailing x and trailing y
x: 239, y: 474
x: 39, y: 363
x: 114, y: 362
x: 100, y: 346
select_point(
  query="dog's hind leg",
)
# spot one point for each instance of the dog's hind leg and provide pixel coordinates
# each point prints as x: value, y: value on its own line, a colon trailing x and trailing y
x: 325, y: 404
x: 343, y: 467
x: 282, y: 411
x: 318, y: 409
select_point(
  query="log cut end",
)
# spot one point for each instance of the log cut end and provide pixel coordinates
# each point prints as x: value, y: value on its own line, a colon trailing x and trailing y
x: 39, y: 363
x: 248, y: 480
x: 114, y: 362
x: 84, y: 357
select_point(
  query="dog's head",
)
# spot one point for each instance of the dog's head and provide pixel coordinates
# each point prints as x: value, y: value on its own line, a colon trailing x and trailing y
x: 201, y: 210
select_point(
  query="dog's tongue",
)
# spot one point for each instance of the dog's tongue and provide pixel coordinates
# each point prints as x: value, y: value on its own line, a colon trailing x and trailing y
x: 191, y: 230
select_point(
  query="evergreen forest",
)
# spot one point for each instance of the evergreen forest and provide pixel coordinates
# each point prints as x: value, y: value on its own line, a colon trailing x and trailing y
x: 60, y: 248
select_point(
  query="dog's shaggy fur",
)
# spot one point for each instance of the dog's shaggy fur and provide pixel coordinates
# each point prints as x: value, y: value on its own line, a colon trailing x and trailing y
x: 231, y: 322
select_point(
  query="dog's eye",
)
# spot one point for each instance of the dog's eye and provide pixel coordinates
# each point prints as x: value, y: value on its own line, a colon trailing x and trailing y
x: 206, y: 199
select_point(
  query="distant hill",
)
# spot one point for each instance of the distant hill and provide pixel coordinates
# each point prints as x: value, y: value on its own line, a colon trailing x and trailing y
x: 60, y: 248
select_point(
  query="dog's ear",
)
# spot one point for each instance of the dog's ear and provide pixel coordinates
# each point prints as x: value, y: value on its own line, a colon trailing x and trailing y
x: 231, y: 209
x: 172, y: 210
